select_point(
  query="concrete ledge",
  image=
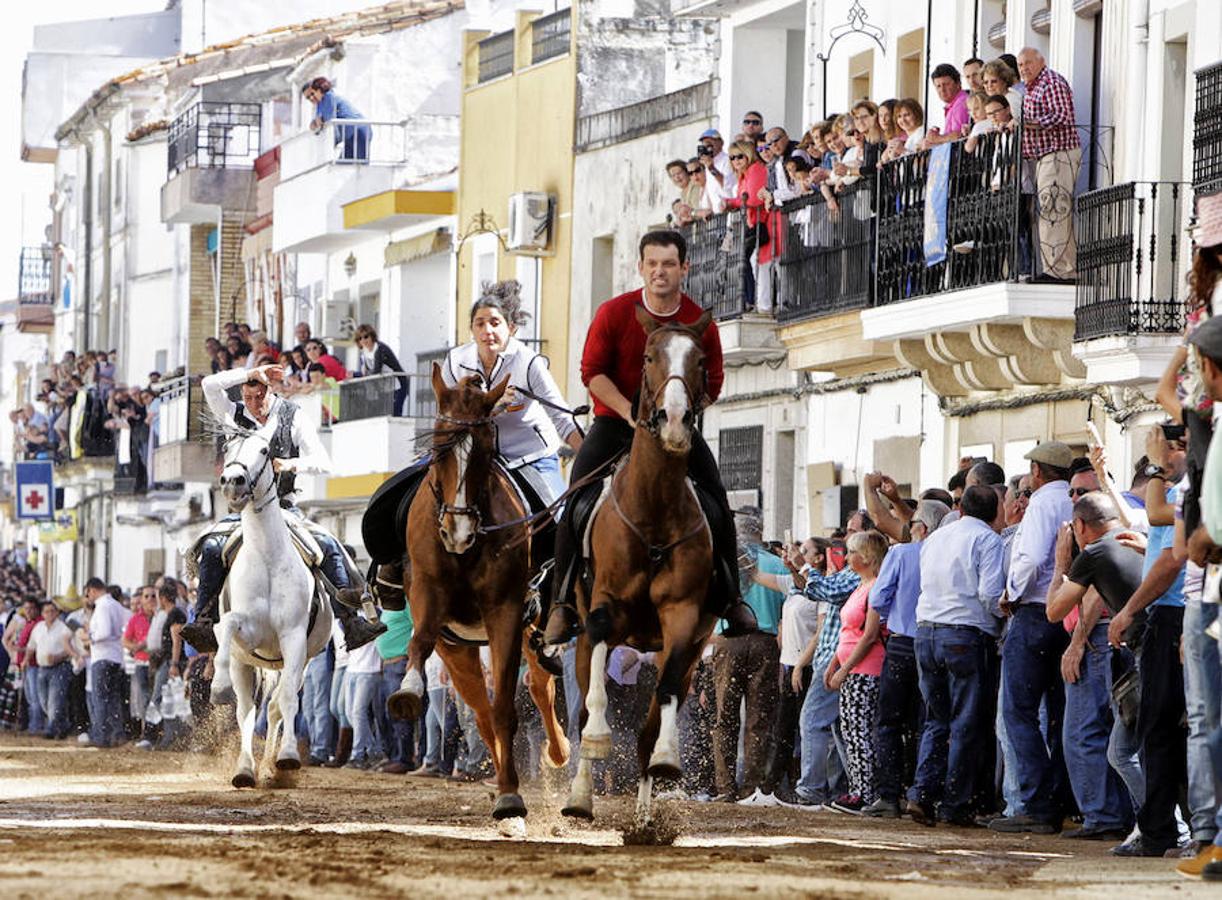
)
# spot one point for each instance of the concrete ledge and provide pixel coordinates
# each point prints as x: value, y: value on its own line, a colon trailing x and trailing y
x: 1127, y: 359
x: 960, y: 310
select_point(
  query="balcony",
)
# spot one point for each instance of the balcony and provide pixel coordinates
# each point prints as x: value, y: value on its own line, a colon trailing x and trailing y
x: 402, y: 164
x: 1129, y: 309
x: 496, y: 57
x: 717, y: 280
x: 647, y: 117
x: 182, y: 452
x: 35, y: 294
x: 550, y: 36
x: 210, y: 160
x: 1207, y: 131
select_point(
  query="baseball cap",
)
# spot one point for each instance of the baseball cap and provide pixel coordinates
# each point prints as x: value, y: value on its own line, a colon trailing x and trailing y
x: 711, y: 133
x: 1051, y: 453
x: 1207, y: 337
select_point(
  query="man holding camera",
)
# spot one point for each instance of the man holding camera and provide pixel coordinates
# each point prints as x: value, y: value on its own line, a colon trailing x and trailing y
x: 712, y: 155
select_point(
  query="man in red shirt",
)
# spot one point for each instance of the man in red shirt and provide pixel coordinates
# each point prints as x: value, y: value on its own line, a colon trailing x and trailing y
x: 611, y: 366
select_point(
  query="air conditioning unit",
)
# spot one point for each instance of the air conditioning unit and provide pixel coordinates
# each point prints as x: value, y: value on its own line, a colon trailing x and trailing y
x: 530, y: 221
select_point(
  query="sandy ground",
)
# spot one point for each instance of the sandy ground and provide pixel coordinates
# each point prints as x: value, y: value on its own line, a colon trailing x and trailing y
x: 89, y: 823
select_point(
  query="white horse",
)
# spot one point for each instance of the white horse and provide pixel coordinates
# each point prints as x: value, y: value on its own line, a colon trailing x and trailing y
x: 265, y: 624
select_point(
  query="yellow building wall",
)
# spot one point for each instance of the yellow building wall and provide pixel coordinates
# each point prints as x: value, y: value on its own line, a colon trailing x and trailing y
x: 517, y: 135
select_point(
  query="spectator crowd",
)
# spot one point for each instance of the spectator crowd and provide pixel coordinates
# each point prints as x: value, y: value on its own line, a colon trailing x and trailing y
x: 763, y: 172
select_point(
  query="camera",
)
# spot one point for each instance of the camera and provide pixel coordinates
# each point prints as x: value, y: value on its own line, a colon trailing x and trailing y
x: 704, y: 150
x: 1173, y: 432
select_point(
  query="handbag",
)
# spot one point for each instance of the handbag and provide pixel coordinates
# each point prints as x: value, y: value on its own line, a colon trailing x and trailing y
x: 1126, y: 694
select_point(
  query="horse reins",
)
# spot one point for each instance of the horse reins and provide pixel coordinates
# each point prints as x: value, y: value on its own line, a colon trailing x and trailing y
x: 657, y: 553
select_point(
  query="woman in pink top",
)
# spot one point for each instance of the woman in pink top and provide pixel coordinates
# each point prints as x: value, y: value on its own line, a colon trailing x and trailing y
x: 856, y: 668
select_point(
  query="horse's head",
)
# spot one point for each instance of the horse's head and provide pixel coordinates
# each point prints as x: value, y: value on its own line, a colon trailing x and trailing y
x: 247, y: 475
x: 673, y: 383
x: 463, y: 448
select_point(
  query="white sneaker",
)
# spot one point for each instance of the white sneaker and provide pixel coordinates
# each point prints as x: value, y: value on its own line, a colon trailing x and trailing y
x: 759, y: 798
x: 83, y: 739
x: 144, y: 745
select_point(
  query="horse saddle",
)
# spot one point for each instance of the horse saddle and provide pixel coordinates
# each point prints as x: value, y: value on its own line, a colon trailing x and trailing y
x: 311, y: 554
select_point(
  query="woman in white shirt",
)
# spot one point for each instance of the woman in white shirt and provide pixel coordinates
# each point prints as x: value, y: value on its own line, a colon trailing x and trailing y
x: 528, y: 432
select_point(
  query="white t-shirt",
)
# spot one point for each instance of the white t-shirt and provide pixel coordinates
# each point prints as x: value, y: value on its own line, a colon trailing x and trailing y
x: 799, y: 616
x: 50, y: 643
x: 365, y: 660
x: 106, y: 627
x: 337, y: 640
x: 433, y: 667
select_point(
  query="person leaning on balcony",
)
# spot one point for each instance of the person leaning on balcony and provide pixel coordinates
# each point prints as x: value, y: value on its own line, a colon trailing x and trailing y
x: 872, y: 143
x: 1050, y: 139
x: 316, y: 352
x: 717, y: 162
x: 752, y: 177
x: 711, y: 202
x: 946, y: 82
x: 910, y: 117
x: 690, y: 193
x: 329, y: 105
x: 378, y: 359
x: 999, y: 78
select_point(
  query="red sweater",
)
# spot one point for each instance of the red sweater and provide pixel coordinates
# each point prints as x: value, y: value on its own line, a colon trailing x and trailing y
x: 615, y: 347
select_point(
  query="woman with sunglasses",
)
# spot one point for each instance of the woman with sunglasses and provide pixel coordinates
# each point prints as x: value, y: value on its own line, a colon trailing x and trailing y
x: 752, y: 176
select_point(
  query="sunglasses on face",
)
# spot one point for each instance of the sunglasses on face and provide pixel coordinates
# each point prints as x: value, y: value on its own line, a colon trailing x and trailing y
x: 753, y: 121
x: 775, y: 140
x: 1026, y: 493
x: 694, y: 171
x: 1079, y: 492
x: 737, y: 156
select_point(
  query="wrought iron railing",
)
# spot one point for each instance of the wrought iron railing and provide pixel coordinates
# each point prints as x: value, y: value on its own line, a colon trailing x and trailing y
x: 549, y: 35
x: 1130, y: 260
x: 636, y: 119
x: 982, y: 220
x: 34, y: 276
x: 1207, y: 131
x: 717, y: 272
x: 496, y: 56
x: 132, y: 472
x: 825, y: 253
x: 215, y: 135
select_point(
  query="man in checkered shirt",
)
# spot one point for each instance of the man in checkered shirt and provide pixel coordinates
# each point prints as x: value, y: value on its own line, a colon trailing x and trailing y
x: 1050, y: 143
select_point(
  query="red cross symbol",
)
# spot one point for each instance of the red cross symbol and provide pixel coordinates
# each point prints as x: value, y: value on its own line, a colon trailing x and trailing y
x: 34, y: 499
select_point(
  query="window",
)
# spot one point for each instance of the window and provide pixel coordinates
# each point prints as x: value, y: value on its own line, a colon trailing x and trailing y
x: 910, y: 48
x: 483, y: 262
x: 550, y: 36
x: 861, y: 68
x: 496, y: 56
x: 740, y: 453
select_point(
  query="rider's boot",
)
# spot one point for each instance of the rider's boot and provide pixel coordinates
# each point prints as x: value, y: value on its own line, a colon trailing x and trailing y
x: 357, y: 631
x: 199, y: 633
x: 540, y: 589
x: 563, y: 623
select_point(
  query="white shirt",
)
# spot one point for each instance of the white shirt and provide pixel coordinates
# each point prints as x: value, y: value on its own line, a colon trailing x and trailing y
x: 729, y: 181
x: 312, y: 456
x: 50, y: 645
x: 799, y: 616
x: 1031, y: 554
x: 961, y: 576
x: 106, y: 627
x: 365, y: 660
x: 337, y: 640
x: 913, y: 143
x: 152, y: 643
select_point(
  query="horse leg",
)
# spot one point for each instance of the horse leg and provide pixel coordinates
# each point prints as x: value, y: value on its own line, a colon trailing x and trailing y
x: 680, y: 651
x: 504, y: 626
x: 543, y: 692
x: 242, y: 678
x: 293, y: 652
x: 268, y: 679
x: 222, y: 681
x: 596, y: 733
x: 407, y: 703
x: 581, y: 793
x: 467, y: 676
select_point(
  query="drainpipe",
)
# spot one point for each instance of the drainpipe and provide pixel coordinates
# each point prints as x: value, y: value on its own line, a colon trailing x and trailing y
x: 87, y: 207
x: 105, y: 189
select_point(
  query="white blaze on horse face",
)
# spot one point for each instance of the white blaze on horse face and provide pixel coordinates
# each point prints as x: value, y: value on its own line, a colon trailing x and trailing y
x: 674, y: 432
x: 462, y: 527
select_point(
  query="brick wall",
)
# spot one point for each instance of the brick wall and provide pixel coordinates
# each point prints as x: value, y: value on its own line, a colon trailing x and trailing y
x: 204, y: 317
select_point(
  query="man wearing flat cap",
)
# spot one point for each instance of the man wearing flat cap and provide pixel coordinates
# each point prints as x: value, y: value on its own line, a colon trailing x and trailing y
x: 1031, y: 660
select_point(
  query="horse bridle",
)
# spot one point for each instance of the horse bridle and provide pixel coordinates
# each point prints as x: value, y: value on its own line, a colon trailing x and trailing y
x: 253, y: 480
x: 443, y: 508
x: 654, y: 422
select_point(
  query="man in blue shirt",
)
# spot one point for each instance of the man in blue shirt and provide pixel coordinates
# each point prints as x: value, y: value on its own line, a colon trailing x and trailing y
x: 1163, y: 739
x: 894, y: 598
x: 1031, y: 657
x: 957, y: 616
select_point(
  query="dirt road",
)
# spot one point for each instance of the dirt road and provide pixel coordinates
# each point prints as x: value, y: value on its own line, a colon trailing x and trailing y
x: 89, y: 823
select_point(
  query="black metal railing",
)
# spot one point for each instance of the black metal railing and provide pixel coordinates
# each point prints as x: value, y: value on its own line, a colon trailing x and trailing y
x: 423, y: 401
x: 368, y: 397
x: 717, y: 273
x: 549, y: 35
x: 496, y: 56
x: 213, y: 135
x: 825, y: 253
x: 636, y: 119
x: 982, y: 220
x: 1129, y: 260
x: 1207, y: 131
x: 34, y: 276
x: 740, y: 457
x: 132, y: 475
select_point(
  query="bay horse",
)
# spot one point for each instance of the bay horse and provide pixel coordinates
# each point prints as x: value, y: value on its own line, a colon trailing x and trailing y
x: 652, y: 559
x: 470, y: 578
x: 266, y: 630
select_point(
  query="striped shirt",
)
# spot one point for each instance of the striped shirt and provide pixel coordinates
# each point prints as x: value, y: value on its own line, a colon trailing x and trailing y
x: 833, y: 590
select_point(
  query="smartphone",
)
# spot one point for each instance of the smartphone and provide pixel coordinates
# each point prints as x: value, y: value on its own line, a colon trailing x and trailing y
x: 1095, y: 439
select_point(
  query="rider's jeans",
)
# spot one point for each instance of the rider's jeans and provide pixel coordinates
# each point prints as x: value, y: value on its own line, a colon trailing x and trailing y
x: 362, y: 691
x: 316, y: 705
x: 549, y: 468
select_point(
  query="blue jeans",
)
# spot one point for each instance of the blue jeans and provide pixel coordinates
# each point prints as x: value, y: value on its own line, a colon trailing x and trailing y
x: 362, y: 690
x: 53, y: 684
x: 1099, y: 790
x: 106, y: 729
x: 952, y: 666
x: 1203, y: 693
x: 435, y: 726
x: 37, y: 722
x: 1124, y: 747
x: 398, y: 733
x: 822, y: 769
x: 339, y: 697
x: 1031, y: 673
x: 316, y: 705
x: 549, y: 468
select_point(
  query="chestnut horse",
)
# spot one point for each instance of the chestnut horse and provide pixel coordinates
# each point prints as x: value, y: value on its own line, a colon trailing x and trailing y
x: 652, y: 561
x: 471, y: 580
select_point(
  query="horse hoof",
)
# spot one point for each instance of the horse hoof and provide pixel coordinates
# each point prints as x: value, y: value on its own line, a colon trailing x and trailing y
x: 222, y: 696
x: 578, y: 812
x: 404, y: 705
x: 509, y: 806
x: 244, y: 780
x: 288, y: 764
x: 595, y: 746
x: 662, y: 769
